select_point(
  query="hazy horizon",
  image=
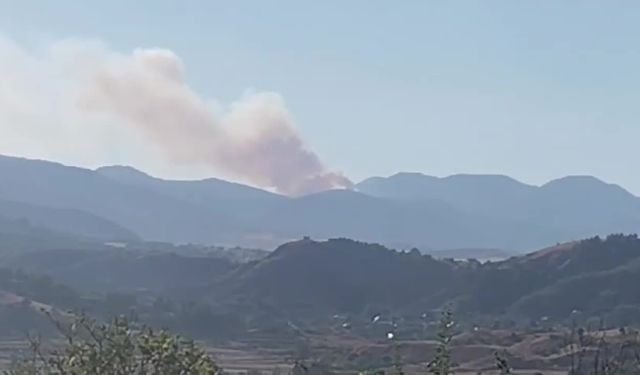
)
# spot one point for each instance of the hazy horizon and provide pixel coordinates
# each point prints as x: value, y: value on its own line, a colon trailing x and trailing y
x: 151, y: 174
x: 472, y: 87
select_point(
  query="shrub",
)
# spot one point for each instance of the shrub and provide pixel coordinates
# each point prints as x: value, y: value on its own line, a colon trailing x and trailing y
x: 115, y: 348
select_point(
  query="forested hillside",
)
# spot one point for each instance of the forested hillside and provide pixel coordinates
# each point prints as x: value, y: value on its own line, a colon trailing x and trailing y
x: 308, y: 281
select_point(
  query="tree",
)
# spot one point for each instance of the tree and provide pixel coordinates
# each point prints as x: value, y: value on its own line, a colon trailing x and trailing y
x: 501, y: 363
x: 115, y: 348
x: 441, y: 364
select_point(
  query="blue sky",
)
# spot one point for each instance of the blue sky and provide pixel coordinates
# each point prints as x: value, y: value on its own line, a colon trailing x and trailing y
x: 532, y: 89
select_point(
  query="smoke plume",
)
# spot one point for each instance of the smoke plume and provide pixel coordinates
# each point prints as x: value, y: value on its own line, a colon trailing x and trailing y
x: 253, y: 139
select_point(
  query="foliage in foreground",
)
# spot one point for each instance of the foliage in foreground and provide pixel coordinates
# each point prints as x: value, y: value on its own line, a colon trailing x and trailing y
x: 120, y: 348
x: 115, y: 349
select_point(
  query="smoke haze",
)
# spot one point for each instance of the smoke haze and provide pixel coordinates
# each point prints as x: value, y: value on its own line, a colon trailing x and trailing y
x: 140, y: 103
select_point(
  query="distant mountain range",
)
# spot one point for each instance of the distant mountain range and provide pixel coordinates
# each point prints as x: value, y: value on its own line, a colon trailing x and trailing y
x: 66, y: 221
x: 405, y: 210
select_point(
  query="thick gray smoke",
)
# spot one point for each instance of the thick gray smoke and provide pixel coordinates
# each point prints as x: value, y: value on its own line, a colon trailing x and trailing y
x: 254, y: 140
x: 76, y: 101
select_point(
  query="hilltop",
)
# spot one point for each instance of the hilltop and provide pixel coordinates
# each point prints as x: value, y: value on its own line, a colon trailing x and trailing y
x: 307, y: 278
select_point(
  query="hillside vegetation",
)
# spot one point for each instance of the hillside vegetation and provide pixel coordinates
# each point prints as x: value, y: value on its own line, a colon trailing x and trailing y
x: 308, y: 282
x: 595, y: 277
x: 336, y: 298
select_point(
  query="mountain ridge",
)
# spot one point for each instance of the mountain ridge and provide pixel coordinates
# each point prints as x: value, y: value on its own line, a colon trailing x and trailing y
x: 459, y: 211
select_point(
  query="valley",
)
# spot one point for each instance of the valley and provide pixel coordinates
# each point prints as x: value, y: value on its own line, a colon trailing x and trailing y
x: 330, y: 303
x: 166, y: 254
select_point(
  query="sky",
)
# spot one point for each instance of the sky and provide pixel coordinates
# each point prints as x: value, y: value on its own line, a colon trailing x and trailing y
x: 531, y: 89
